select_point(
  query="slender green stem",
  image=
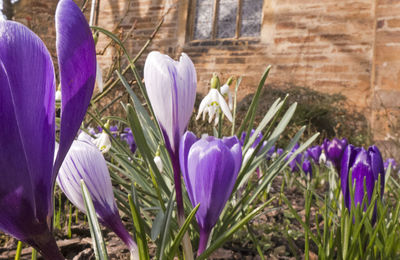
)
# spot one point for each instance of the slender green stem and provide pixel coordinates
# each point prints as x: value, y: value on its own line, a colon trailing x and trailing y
x: 18, y: 251
x: 34, y: 254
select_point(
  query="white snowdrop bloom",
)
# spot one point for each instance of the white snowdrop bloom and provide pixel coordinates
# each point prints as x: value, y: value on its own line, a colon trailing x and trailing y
x: 211, y: 105
x: 226, y: 92
x: 159, y: 163
x: 58, y: 95
x: 103, y: 142
x: 99, y: 77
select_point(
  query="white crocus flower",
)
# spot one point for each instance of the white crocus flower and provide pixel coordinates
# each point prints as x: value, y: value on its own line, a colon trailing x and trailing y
x: 211, y: 105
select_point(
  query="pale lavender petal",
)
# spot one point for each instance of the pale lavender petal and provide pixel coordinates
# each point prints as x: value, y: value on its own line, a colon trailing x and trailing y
x: 188, y: 139
x: 77, y: 64
x: 28, y: 108
x: 171, y: 87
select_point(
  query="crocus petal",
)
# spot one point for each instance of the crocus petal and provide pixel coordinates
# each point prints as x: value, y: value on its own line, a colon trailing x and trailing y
x: 362, y: 170
x: 85, y: 162
x: 377, y: 165
x: 27, y: 111
x: 187, y: 140
x: 77, y: 64
x: 171, y: 87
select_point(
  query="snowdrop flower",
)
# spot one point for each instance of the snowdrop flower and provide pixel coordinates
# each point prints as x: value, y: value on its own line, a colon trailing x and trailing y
x: 226, y: 92
x: 212, y: 103
x: 322, y: 159
x: 103, y: 141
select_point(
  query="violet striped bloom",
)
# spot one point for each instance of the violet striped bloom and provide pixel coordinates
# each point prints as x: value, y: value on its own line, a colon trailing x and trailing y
x: 364, y: 165
x: 334, y: 150
x: 171, y: 87
x: 27, y: 105
x: 84, y: 161
x: 314, y: 152
x: 209, y: 167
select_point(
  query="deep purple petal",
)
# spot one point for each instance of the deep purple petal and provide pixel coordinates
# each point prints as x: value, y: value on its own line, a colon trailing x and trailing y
x: 362, y: 171
x: 27, y: 110
x: 348, y: 158
x: 77, y: 64
x: 377, y: 165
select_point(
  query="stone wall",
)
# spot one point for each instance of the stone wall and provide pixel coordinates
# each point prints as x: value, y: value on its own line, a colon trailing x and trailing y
x: 350, y: 47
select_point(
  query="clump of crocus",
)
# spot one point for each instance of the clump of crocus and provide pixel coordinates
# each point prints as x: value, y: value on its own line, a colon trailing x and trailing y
x: 27, y: 105
x: 84, y: 161
x: 213, y: 103
x: 334, y: 150
x: 171, y: 87
x: 364, y: 166
x: 209, y: 167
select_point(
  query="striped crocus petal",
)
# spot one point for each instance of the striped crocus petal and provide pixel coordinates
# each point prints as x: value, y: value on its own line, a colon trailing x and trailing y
x: 171, y: 87
x: 85, y: 162
x: 77, y: 64
x: 27, y: 108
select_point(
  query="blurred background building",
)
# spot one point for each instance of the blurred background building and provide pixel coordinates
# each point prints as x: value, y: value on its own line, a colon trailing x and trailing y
x: 351, y: 47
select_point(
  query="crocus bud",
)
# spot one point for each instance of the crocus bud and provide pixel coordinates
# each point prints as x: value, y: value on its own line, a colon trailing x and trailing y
x: 315, y: 153
x: 294, y: 164
x: 307, y: 168
x: 127, y: 136
x: 364, y: 165
x: 85, y: 162
x: 209, y: 168
x: 334, y: 151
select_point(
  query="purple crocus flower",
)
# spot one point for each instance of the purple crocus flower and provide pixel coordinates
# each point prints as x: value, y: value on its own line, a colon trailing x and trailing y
x: 127, y: 136
x: 307, y: 167
x: 27, y: 105
x: 294, y: 164
x: 256, y: 141
x: 270, y: 152
x: 84, y: 161
x: 279, y: 151
x: 314, y: 152
x: 364, y: 165
x: 209, y: 167
x: 171, y: 87
x: 334, y: 150
x: 392, y: 162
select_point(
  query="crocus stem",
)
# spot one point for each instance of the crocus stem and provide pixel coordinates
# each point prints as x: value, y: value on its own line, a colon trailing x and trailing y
x: 204, y: 235
x: 48, y: 248
x: 178, y: 185
x: 187, y: 246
